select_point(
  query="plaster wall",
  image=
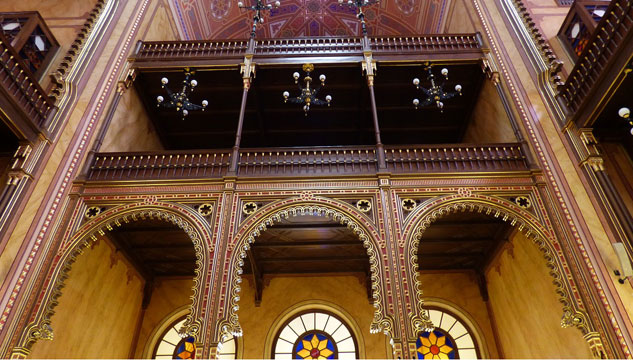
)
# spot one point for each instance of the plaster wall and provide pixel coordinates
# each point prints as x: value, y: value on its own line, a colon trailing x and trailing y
x: 97, y: 310
x: 64, y: 18
x: 131, y: 128
x: 168, y: 295
x: 489, y: 122
x: 283, y: 292
x: 525, y: 305
x: 461, y: 289
x: 460, y: 19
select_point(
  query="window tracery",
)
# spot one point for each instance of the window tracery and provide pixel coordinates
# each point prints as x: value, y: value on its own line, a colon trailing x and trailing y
x: 450, y: 339
x: 315, y: 335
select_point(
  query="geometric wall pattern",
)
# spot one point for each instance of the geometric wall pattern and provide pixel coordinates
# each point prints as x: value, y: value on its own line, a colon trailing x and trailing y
x: 222, y: 19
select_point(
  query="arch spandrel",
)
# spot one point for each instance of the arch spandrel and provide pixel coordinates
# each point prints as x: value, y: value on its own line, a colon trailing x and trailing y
x: 272, y: 213
x: 574, y: 313
x: 195, y: 226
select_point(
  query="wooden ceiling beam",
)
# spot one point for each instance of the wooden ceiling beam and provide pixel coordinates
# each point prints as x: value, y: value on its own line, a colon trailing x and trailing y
x: 294, y: 244
x: 315, y: 259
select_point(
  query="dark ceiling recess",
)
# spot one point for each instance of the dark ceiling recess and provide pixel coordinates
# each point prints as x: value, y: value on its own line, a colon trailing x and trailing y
x: 307, y: 245
x: 271, y: 123
x: 462, y: 241
x: 8, y: 141
x: 609, y: 126
x: 156, y: 248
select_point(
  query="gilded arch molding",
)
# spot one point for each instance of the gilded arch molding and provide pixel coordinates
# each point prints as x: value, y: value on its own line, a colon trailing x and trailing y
x: 574, y: 313
x: 189, y: 221
x: 316, y: 206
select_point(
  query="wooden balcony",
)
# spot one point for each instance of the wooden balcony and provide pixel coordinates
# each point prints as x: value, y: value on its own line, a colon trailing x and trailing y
x: 298, y: 162
x: 196, y: 53
x: 21, y: 97
x: 601, y: 64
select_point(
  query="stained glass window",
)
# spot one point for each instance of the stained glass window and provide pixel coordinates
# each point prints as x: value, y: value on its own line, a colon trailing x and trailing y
x: 450, y: 339
x: 315, y: 335
x: 172, y: 346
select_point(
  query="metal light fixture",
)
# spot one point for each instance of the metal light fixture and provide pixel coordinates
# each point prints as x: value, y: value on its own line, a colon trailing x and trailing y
x: 436, y: 93
x: 180, y: 99
x: 359, y: 4
x: 308, y: 95
x: 258, y: 7
x: 625, y: 113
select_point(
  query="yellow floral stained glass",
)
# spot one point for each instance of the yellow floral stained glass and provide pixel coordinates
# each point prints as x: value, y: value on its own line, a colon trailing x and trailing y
x: 314, y: 346
x: 435, y: 345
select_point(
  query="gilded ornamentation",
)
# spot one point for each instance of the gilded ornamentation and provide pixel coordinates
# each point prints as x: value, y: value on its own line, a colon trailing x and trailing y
x: 189, y: 222
x: 92, y: 212
x: 409, y: 204
x: 363, y: 205
x: 205, y: 209
x: 572, y: 315
x: 523, y: 202
x: 249, y: 208
x: 381, y: 321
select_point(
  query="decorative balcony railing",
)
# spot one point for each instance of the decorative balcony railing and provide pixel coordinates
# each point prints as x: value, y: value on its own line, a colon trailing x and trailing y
x: 18, y: 82
x: 307, y: 162
x: 455, y: 158
x: 153, y: 51
x: 612, y: 35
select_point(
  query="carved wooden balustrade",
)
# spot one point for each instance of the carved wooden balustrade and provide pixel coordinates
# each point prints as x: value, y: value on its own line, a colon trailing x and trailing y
x: 455, y: 158
x: 20, y: 86
x: 192, y: 53
x: 314, y: 161
x: 601, y: 62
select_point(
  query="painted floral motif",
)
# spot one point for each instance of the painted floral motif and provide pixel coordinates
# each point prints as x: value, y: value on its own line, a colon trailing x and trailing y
x: 315, y: 346
x: 435, y: 345
x: 220, y: 8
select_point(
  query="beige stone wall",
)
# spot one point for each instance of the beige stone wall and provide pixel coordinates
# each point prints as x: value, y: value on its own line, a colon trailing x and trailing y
x: 283, y: 292
x: 131, y: 128
x: 461, y: 289
x: 526, y: 308
x: 489, y: 122
x: 98, y: 309
x: 168, y: 295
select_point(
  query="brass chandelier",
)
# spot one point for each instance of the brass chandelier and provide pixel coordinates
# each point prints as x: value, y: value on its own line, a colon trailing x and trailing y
x: 435, y: 93
x: 180, y: 99
x: 307, y: 94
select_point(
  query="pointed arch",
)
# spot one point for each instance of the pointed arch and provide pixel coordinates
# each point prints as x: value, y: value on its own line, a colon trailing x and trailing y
x: 432, y: 210
x: 193, y: 224
x: 317, y: 206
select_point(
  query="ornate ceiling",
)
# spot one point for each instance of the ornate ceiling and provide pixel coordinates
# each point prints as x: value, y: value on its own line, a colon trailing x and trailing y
x: 222, y: 19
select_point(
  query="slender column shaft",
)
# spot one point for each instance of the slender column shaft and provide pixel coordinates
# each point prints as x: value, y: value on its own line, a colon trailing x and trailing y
x: 380, y: 150
x: 238, y: 135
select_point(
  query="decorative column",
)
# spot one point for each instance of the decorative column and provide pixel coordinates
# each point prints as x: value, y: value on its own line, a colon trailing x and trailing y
x: 369, y: 67
x: 247, y: 69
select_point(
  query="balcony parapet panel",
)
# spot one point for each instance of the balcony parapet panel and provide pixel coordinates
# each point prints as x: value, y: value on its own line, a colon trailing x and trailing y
x: 602, y: 64
x: 309, y: 161
x: 21, y: 96
x: 199, y: 53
